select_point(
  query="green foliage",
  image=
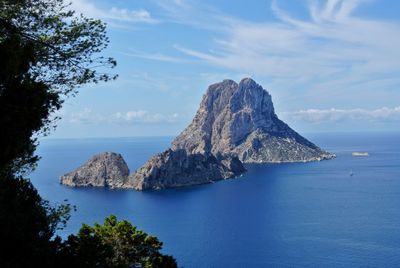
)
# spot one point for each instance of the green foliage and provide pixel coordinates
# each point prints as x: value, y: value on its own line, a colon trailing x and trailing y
x: 46, y: 52
x: 116, y: 244
x: 27, y: 225
x: 64, y: 43
x: 25, y: 106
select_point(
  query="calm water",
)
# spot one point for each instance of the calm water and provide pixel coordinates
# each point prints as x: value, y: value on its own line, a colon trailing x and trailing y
x: 282, y: 215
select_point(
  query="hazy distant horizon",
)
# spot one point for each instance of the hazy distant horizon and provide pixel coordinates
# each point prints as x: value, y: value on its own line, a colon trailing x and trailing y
x: 306, y: 134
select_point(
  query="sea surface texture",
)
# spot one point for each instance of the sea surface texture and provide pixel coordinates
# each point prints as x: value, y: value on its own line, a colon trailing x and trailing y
x: 343, y: 212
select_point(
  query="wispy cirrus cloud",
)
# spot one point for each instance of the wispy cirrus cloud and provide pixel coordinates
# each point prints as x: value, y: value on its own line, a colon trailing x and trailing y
x: 153, y: 56
x: 332, y: 47
x: 142, y: 116
x: 115, y: 14
x: 384, y: 114
x: 88, y: 116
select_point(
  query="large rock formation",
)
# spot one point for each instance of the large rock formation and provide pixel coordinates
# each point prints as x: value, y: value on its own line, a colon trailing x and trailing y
x: 178, y: 168
x: 103, y: 170
x: 235, y: 123
x: 239, y: 119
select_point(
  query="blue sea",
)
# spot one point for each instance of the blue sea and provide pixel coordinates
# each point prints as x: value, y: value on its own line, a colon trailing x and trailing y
x: 276, y: 215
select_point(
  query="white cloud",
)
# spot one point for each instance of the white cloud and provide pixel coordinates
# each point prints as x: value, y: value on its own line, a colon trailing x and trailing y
x: 140, y: 15
x: 334, y: 47
x: 335, y: 115
x: 90, y: 9
x: 193, y: 13
x: 152, y: 56
x: 87, y: 116
x: 142, y: 116
x: 333, y: 9
x: 84, y: 116
x: 204, y: 56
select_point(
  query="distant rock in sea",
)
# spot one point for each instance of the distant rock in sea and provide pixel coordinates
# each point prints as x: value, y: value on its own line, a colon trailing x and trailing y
x: 102, y: 170
x: 240, y: 119
x: 235, y: 124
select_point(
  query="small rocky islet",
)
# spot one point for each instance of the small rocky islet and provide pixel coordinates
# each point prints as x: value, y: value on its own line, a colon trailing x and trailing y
x: 102, y: 170
x: 235, y: 124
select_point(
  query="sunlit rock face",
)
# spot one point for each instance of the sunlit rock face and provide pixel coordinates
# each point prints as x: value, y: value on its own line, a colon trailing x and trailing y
x: 239, y: 119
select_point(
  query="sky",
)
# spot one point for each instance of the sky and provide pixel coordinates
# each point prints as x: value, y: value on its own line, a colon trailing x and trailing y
x: 329, y: 65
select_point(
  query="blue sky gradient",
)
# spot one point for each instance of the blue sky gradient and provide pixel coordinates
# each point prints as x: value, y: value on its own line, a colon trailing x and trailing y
x: 329, y: 65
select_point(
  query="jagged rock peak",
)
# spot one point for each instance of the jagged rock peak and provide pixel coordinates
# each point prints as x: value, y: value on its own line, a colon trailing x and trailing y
x: 240, y: 119
x: 106, y: 169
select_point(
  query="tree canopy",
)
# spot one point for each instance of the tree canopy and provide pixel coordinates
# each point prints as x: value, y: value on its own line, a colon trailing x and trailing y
x: 63, y: 43
x: 116, y: 244
x: 47, y: 51
x: 28, y: 225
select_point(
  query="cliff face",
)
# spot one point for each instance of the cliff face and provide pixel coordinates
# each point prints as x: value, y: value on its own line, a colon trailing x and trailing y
x: 178, y: 168
x: 102, y: 170
x: 235, y: 123
x: 239, y: 119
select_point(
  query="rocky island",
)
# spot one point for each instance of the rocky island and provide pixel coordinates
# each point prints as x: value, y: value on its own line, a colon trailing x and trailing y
x: 239, y: 119
x: 235, y: 124
x: 102, y: 170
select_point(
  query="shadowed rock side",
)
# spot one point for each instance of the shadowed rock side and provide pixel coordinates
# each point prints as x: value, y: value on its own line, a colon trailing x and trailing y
x: 239, y: 119
x: 102, y: 170
x: 177, y: 168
